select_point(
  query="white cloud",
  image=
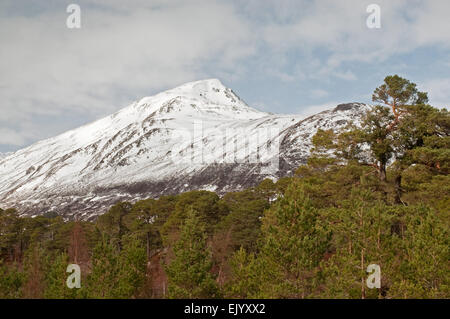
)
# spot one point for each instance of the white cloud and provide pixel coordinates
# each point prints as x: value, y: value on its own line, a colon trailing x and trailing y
x: 126, y: 50
x: 318, y: 93
x: 431, y: 23
x: 10, y: 137
x: 119, y: 54
x: 347, y: 75
x: 438, y: 92
x: 340, y: 28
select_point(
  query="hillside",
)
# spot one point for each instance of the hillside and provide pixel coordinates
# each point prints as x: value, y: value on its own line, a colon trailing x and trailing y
x: 200, y: 135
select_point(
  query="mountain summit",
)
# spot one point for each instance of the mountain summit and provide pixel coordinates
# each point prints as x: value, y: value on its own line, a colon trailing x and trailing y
x: 199, y: 135
x: 199, y: 98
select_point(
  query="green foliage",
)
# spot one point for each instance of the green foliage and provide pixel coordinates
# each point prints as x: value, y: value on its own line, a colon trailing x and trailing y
x: 189, y: 273
x: 56, y: 277
x: 11, y: 230
x: 244, y: 282
x: 294, y: 241
x: 398, y: 91
x: 114, y: 274
x: 361, y: 230
x: 377, y: 134
x: 112, y: 223
x: 208, y: 206
x: 11, y: 281
x: 423, y: 270
x: 243, y: 223
x: 146, y: 218
x: 35, y: 265
x: 102, y: 281
x: 132, y: 272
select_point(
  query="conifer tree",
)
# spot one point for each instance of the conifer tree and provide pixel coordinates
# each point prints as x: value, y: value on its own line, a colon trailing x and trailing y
x: 294, y: 242
x: 117, y: 275
x: 360, y: 237
x: 398, y: 93
x: 112, y: 223
x: 101, y: 282
x: 189, y: 273
x: 244, y: 282
x: 35, y: 267
x: 422, y: 271
x: 11, y: 239
x: 56, y: 279
x: 145, y: 220
x: 132, y: 273
x: 11, y: 281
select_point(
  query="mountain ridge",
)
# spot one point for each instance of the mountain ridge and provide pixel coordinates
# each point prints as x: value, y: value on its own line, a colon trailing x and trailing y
x: 200, y: 135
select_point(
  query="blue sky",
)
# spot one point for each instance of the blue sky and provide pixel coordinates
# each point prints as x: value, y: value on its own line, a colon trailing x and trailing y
x: 281, y: 56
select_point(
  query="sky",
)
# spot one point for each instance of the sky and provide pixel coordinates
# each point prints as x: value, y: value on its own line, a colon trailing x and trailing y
x: 280, y: 56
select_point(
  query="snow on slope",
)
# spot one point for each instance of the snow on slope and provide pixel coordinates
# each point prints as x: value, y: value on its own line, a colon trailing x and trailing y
x: 3, y: 155
x: 200, y: 135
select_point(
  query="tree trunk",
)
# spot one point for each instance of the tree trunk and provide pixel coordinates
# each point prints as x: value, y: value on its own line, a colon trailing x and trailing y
x: 398, y: 189
x: 382, y: 172
x: 363, y: 244
x: 148, y: 246
x: 363, y: 288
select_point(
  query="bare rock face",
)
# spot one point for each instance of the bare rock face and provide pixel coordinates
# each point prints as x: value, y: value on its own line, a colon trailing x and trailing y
x: 200, y: 135
x: 348, y: 106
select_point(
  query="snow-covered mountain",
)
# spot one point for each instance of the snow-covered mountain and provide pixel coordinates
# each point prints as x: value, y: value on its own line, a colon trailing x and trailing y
x: 200, y: 135
x: 3, y: 155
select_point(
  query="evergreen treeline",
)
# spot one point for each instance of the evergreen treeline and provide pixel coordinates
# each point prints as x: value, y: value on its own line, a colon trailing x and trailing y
x: 375, y: 194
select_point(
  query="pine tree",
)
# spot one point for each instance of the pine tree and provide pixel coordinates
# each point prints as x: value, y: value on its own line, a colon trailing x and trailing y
x: 112, y: 223
x: 56, y: 280
x: 207, y: 205
x: 360, y: 236
x: 294, y: 242
x: 423, y: 270
x: 35, y: 266
x: 101, y: 282
x: 398, y: 93
x: 189, y: 273
x: 117, y: 274
x: 11, y: 281
x: 379, y: 124
x: 132, y: 273
x: 145, y: 219
x: 11, y: 239
x: 244, y: 282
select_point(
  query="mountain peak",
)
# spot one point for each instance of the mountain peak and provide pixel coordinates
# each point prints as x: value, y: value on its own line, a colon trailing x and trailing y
x: 208, y: 95
x: 206, y: 84
x: 199, y: 87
